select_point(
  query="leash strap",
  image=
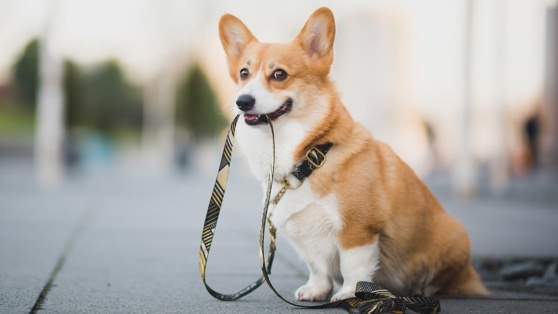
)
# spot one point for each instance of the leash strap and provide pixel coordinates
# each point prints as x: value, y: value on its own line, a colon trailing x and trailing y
x: 212, y: 216
x: 369, y: 297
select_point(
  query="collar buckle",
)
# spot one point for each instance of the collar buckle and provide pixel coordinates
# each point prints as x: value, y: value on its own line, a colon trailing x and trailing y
x: 315, y: 157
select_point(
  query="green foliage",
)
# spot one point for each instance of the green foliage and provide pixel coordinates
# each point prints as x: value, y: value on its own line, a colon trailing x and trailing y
x: 26, y: 73
x: 100, y: 99
x: 110, y: 103
x: 73, y: 95
x: 16, y: 120
x: 197, y: 107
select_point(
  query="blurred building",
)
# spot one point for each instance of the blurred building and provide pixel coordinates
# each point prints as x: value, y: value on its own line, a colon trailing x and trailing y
x: 400, y: 68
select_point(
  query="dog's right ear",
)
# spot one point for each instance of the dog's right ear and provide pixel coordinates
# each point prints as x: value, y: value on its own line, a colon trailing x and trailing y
x: 235, y: 36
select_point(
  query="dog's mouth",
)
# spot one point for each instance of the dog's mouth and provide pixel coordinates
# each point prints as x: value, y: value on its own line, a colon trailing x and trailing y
x: 257, y: 119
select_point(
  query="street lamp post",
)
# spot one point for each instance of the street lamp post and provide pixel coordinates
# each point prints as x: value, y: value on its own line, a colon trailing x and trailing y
x: 49, y: 133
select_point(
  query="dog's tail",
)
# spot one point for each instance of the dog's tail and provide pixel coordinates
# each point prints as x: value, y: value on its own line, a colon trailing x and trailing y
x: 466, y: 282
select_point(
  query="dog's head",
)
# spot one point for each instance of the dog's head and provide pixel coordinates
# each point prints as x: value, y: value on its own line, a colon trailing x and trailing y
x: 278, y: 79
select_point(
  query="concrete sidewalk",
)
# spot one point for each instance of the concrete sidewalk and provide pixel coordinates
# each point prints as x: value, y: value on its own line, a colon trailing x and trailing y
x: 111, y: 244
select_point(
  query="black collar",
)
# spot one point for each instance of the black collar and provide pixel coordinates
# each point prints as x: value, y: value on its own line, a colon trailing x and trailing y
x: 315, y: 158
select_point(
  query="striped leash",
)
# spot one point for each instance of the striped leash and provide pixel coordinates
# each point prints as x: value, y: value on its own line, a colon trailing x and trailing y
x: 369, y: 297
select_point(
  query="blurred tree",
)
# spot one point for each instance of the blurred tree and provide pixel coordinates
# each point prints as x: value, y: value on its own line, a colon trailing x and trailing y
x: 197, y: 107
x: 110, y: 102
x: 73, y: 95
x: 26, y: 73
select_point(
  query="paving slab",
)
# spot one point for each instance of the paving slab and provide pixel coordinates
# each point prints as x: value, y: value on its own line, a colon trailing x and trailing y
x: 34, y: 228
x: 142, y: 246
x: 500, y: 227
x: 132, y: 247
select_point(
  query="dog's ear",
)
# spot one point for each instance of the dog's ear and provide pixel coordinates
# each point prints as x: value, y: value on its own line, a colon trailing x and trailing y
x: 235, y: 36
x: 317, y: 36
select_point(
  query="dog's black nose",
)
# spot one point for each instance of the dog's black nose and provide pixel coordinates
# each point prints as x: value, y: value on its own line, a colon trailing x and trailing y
x: 245, y: 102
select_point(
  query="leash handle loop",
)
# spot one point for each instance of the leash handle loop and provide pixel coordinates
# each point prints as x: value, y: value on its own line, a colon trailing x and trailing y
x: 212, y: 216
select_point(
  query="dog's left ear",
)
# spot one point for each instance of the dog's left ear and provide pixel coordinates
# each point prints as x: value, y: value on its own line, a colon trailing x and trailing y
x: 317, y: 36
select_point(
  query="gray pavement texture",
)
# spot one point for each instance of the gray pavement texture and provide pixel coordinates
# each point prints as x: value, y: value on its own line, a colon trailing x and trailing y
x: 118, y: 244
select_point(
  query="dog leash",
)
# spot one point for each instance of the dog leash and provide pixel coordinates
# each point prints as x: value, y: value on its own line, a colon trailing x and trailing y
x: 212, y: 217
x: 369, y: 297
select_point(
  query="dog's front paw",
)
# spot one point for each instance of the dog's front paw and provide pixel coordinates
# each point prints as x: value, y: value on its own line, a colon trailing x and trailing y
x: 312, y: 293
x: 343, y: 294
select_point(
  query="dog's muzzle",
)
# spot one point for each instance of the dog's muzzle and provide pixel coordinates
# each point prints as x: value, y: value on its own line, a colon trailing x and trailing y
x: 258, y: 119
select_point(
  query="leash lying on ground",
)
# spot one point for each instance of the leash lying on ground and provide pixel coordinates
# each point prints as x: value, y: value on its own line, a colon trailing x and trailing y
x: 369, y: 297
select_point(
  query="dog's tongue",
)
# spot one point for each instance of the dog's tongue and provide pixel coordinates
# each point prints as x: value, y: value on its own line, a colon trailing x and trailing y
x: 251, y: 117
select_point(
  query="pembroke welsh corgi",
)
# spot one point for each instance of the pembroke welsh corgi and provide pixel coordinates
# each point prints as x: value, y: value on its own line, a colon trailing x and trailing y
x: 364, y: 215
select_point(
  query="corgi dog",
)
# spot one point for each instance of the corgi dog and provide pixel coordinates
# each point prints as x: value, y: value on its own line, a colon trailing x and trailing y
x: 362, y: 214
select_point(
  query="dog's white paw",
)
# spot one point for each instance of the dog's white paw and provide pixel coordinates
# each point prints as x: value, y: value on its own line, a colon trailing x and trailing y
x: 343, y: 294
x: 312, y: 293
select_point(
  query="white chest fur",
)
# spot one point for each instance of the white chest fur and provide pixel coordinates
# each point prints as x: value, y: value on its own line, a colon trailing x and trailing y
x: 308, y: 221
x: 256, y: 144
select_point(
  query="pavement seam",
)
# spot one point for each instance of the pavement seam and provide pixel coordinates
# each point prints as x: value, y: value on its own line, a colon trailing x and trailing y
x: 81, y: 225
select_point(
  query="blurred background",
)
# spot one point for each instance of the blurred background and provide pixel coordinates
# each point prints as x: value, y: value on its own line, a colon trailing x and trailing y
x: 465, y: 91
x: 113, y: 115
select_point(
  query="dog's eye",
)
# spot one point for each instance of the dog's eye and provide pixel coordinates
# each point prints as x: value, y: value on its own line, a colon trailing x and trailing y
x: 279, y: 75
x: 244, y: 74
